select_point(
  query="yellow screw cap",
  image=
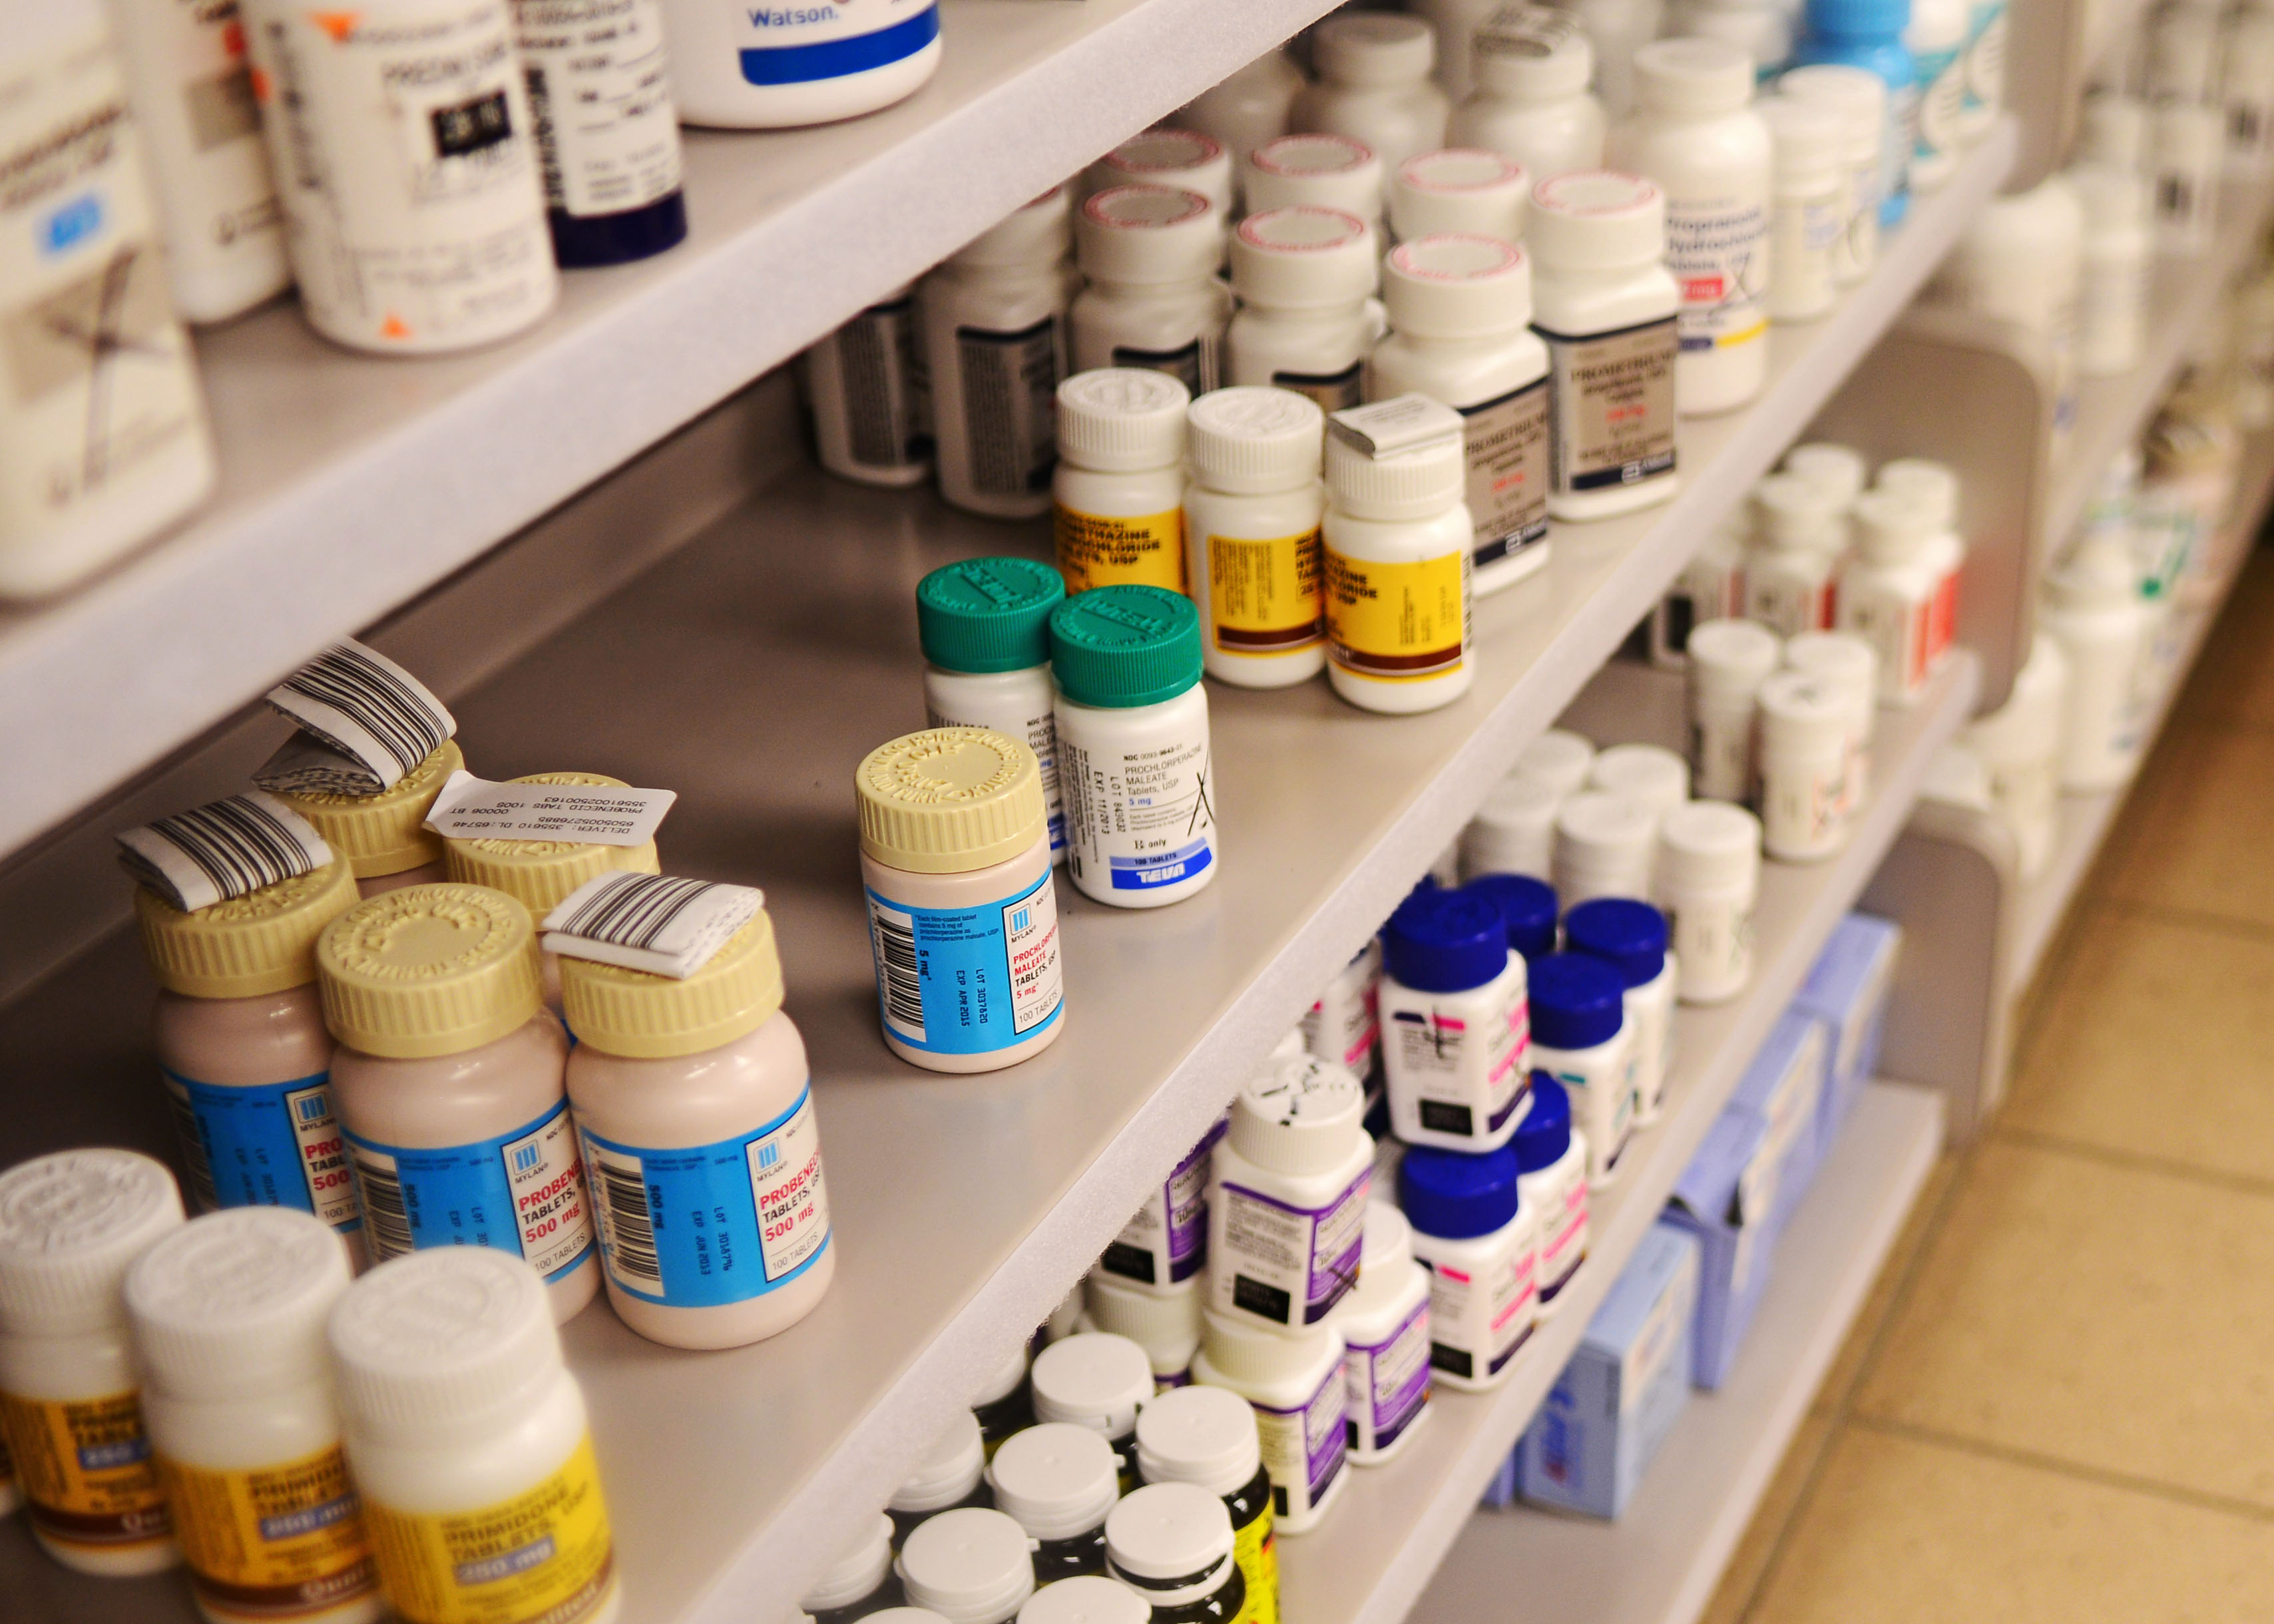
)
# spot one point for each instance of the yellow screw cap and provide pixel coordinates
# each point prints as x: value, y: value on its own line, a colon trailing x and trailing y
x: 644, y: 1017
x: 264, y: 941
x: 382, y: 833
x: 538, y: 874
x: 949, y: 800
x: 428, y: 970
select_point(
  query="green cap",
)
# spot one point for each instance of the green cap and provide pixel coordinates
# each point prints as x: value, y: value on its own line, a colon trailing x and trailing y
x: 988, y: 615
x: 1118, y: 646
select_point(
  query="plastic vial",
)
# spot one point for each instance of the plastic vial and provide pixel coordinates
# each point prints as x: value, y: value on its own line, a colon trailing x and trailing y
x: 1580, y: 1039
x: 1558, y: 758
x: 1252, y: 506
x: 1527, y: 908
x: 696, y: 1111
x: 1632, y: 937
x: 1453, y: 1022
x: 1709, y: 876
x: 1117, y: 497
x: 951, y: 1474
x: 984, y: 625
x: 1656, y: 776
x: 1481, y: 1247
x: 383, y: 837
x: 2112, y: 304
x: 1244, y: 111
x: 1181, y: 160
x: 1164, y: 1245
x: 1531, y: 104
x: 1933, y: 488
x: 1459, y: 309
x: 2186, y: 148
x: 71, y: 1224
x: 605, y: 127
x: 1603, y: 847
x: 1850, y: 664
x: 1295, y: 1383
x: 1296, y: 1158
x: 741, y: 69
x: 1760, y: 28
x: 1869, y: 34
x: 1133, y: 724
x: 1696, y: 135
x: 2092, y: 610
x: 229, y: 1319
x: 1809, y: 216
x: 1004, y: 1405
x: 1303, y: 276
x: 993, y: 315
x: 2019, y: 747
x: 1890, y: 592
x: 955, y: 859
x: 1100, y: 1381
x: 1386, y: 1347
x: 1608, y: 307
x: 1455, y: 23
x: 406, y: 141
x: 1398, y: 545
x: 1551, y: 1181
x: 1806, y: 733
x: 1791, y: 569
x: 1154, y: 299
x: 1460, y: 191
x: 1316, y: 171
x: 860, y: 1583
x: 1728, y: 661
x: 1859, y: 99
x: 1374, y: 85
x: 1057, y: 1482
x: 1209, y: 1436
x: 1711, y: 587
x: 871, y: 408
x: 970, y: 1566
x: 1165, y: 1323
x: 1344, y: 1025
x: 1936, y: 38
x: 1513, y: 832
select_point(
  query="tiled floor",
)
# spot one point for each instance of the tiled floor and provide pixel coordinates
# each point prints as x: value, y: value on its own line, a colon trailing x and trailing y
x: 2059, y: 1404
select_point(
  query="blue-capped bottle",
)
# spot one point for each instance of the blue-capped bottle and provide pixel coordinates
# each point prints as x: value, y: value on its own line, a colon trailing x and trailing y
x: 1480, y: 1244
x: 1581, y: 1037
x: 1455, y: 1027
x: 1631, y: 937
x: 1869, y: 34
x: 1551, y: 1162
x: 1527, y: 907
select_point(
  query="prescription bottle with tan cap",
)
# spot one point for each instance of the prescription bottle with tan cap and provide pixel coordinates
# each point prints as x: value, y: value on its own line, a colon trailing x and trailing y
x: 696, y: 1111
x: 448, y: 1083
x: 384, y: 837
x: 963, y: 918
x: 242, y: 1047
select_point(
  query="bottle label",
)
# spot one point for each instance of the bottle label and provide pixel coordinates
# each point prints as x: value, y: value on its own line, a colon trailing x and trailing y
x: 271, y: 1145
x: 542, y: 1557
x: 1040, y: 733
x: 1389, y: 1379
x: 880, y: 372
x: 521, y: 1192
x: 1264, y: 596
x: 968, y: 980
x: 1563, y: 1235
x: 1304, y: 1447
x: 1167, y: 1241
x: 1478, y: 1321
x: 1141, y: 819
x: 1604, y: 1108
x: 85, y: 1471
x: 1008, y: 388
x: 1257, y: 1553
x: 1507, y: 443
x: 796, y: 44
x: 1465, y: 1077
x: 1942, y: 103
x: 1334, y: 392
x: 1398, y: 622
x: 1345, y: 1024
x: 1194, y: 364
x: 1287, y: 1264
x: 605, y: 129
x: 722, y: 1222
x: 1613, y: 417
x: 1986, y: 58
x: 1718, y: 250
x: 278, y: 1542
x: 1097, y: 550
x: 1806, y: 234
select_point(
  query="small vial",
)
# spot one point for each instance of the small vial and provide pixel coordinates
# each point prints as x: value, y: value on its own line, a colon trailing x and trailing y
x: 606, y: 129
x: 1295, y: 1383
x: 1057, y: 1482
x: 1804, y: 744
x: 1316, y: 171
x: 1209, y: 1437
x: 1632, y: 936
x: 71, y: 1224
x: 1088, y: 1598
x: 1809, y: 218
x: 970, y: 1566
x: 1481, y: 1247
x: 1344, y: 1025
x: 1709, y: 877
x: 1847, y: 663
x: 1936, y: 38
x: 1532, y: 103
x: 1656, y: 777
x: 1790, y: 569
x: 1455, y: 1025
x: 950, y: 1475
x: 1711, y: 587
x: 1386, y: 1347
x: 1164, y: 1245
x: 1374, y: 84
x: 984, y: 626
x: 1166, y: 1324
x: 1243, y: 112
x: 1890, y: 593
x: 1558, y: 758
x: 1867, y: 36
x: 871, y: 405
x: 1527, y: 908
x: 1551, y: 1161
x: 1100, y: 1381
x: 1295, y: 1161
x: 1167, y: 156
x: 860, y: 1583
x: 1004, y: 1405
x: 1459, y: 191
x: 1117, y: 497
x: 1858, y: 98
x: 1253, y: 506
x: 1581, y: 1037
x: 1604, y: 847
x: 1154, y: 299
x: 384, y: 837
x: 228, y: 1316
x: 1303, y: 276
x: 1513, y: 832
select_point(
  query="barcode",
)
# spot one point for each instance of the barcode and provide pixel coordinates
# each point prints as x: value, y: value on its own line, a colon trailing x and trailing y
x: 350, y: 689
x: 896, y: 965
x: 630, y: 1227
x: 210, y: 853
x: 193, y: 1149
x: 387, y: 1223
x: 632, y: 910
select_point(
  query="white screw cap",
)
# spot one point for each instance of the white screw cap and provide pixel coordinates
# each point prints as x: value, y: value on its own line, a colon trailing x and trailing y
x: 1166, y: 156
x: 1532, y: 53
x: 970, y: 1566
x: 1249, y: 439
x: 1558, y: 758
x: 1692, y: 76
x: 233, y: 1305
x: 1457, y: 287
x: 1147, y: 235
x: 1303, y: 258
x: 1203, y: 1436
x: 1093, y: 1380
x: 1055, y: 1480
x: 429, y: 1342
x: 1597, y: 220
x: 1709, y: 844
x: 71, y: 1225
x: 1122, y: 419
x: 949, y: 1470
x: 1374, y: 50
x: 1461, y: 189
x: 1648, y: 773
x: 1038, y: 232
x: 1303, y: 1115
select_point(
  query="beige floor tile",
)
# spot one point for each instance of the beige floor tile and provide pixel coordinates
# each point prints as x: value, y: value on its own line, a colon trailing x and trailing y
x: 1834, y: 1391
x: 2087, y: 1313
x: 1900, y: 1531
x: 2235, y: 681
x: 1787, y: 1493
x: 2201, y: 836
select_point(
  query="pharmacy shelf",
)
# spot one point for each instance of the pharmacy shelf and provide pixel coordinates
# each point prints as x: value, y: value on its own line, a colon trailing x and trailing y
x: 1371, y: 1560
x: 1658, y: 1563
x: 350, y: 483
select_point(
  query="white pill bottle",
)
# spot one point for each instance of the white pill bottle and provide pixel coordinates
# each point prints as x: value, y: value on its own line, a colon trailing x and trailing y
x: 1729, y: 659
x: 1482, y: 1247
x: 1385, y: 1325
x: 1154, y: 299
x: 770, y: 66
x: 984, y: 626
x: 1253, y: 507
x: 1531, y: 104
x: 1287, y: 1197
x: 1304, y: 276
x: 1709, y: 877
x: 1455, y: 1031
x: 1374, y: 85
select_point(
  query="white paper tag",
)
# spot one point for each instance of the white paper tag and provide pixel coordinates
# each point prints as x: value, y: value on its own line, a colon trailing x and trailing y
x: 229, y: 848
x: 379, y: 719
x: 1402, y: 422
x: 650, y: 921
x: 472, y: 808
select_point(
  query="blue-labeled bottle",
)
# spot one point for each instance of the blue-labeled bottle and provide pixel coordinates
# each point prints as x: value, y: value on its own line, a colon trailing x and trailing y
x: 1869, y: 34
x: 600, y: 94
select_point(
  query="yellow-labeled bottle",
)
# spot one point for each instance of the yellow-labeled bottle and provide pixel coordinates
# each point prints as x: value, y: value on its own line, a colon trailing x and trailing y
x: 1117, y: 497
x: 1252, y: 517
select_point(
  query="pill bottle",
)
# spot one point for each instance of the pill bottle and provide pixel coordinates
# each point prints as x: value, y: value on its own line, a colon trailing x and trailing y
x: 1252, y: 505
x: 1581, y: 1039
x: 1760, y: 28
x: 1295, y: 1383
x: 1242, y: 112
x: 993, y: 318
x: 1851, y: 665
x: 1551, y: 1183
x: 2092, y: 610
x: 951, y: 1474
x: 1316, y: 171
x: 2246, y: 88
x: 1481, y: 1247
x: 1164, y: 1243
x: 1459, y: 191
x: 71, y: 1224
x: 871, y: 404
x: 1527, y: 908
x: 1513, y: 832
x: 611, y: 157
x: 1004, y: 1405
x: 1154, y: 299
x: 1344, y: 1025
x: 408, y: 141
x: 1303, y: 276
x: 1838, y: 472
x: 1172, y: 1544
x: 860, y: 1582
x: 1632, y: 937
x: 228, y: 1316
x: 984, y: 625
x: 1805, y: 732
x: 1656, y: 776
x: 1531, y: 102
x: 75, y: 493
x: 1936, y: 38
x: 1385, y: 1327
x: 1171, y: 155
x: 1374, y: 85
x: 1459, y: 309
x: 2019, y: 745
x: 384, y: 837
x: 2112, y: 131
x: 1869, y: 34
x: 1709, y: 877
x: 2182, y: 57
x: 1288, y: 1197
x: 2021, y: 261
x: 970, y: 1566
x: 1166, y: 1324
x: 1133, y: 725
x: 2112, y: 302
x: 1604, y: 845
x: 2186, y: 148
x: 963, y: 923
x: 1695, y: 135
x: 1057, y: 1482
x: 1808, y: 217
x: 1209, y: 1436
x: 1606, y: 305
x: 1398, y: 547
x: 1558, y: 758
x: 192, y: 94
x: 1117, y: 497
x: 1890, y: 592
x: 1711, y: 586
x: 1618, y: 28
x: 1859, y: 99
x: 759, y: 70
x: 1087, y: 1598
x: 1729, y: 659
x: 1094, y: 1379
x: 1934, y: 487
x: 1454, y: 1029
x: 1792, y: 567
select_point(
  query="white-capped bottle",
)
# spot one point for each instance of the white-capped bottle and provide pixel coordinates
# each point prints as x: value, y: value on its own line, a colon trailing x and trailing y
x: 1253, y: 506
x: 952, y: 1473
x: 1858, y: 98
x: 1848, y: 664
x: 1805, y: 732
x: 1295, y: 1382
x: 1251, y: 107
x: 1117, y: 499
x: 1163, y: 1319
x: 1097, y: 1380
x: 1303, y: 276
x: 1316, y: 171
x: 1760, y: 28
x: 1932, y: 488
x: 1057, y: 1482
x: 2020, y: 261
x: 1209, y: 1436
x: 1296, y: 1145
x: 1729, y: 659
x: 1839, y: 472
x: 1386, y: 1345
x: 1708, y: 879
x: 1649, y: 773
x: 1604, y: 845
x: 1890, y: 592
x: 860, y: 1582
x: 2112, y: 303
x: 968, y: 1565
x: 1374, y: 84
x: 2019, y: 747
x: 871, y: 406
x: 1791, y: 566
x: 1154, y: 300
x: 1810, y: 217
x: 1513, y: 832
x: 1461, y: 191
x: 2093, y: 611
x: 1180, y: 159
x: 1531, y: 103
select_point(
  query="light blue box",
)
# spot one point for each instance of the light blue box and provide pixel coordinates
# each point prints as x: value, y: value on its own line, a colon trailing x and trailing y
x: 1846, y: 989
x: 1723, y: 1199
x: 1784, y: 1088
x: 1620, y: 1395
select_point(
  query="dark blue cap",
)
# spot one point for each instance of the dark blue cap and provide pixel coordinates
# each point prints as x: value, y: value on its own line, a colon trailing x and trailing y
x: 1576, y: 1001
x: 1455, y: 1195
x: 1545, y: 1134
x: 1444, y: 941
x: 1851, y: 20
x: 1629, y: 935
x: 1528, y: 907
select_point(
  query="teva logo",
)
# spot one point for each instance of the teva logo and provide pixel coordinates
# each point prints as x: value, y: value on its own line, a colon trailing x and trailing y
x: 527, y: 1157
x: 768, y: 1155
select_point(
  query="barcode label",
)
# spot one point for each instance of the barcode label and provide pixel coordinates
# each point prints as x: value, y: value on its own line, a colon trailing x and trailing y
x: 627, y: 1225
x: 188, y: 1129
x: 230, y: 848
x: 650, y: 921
x: 472, y: 808
x: 893, y: 936
x: 387, y: 1225
x: 363, y: 705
